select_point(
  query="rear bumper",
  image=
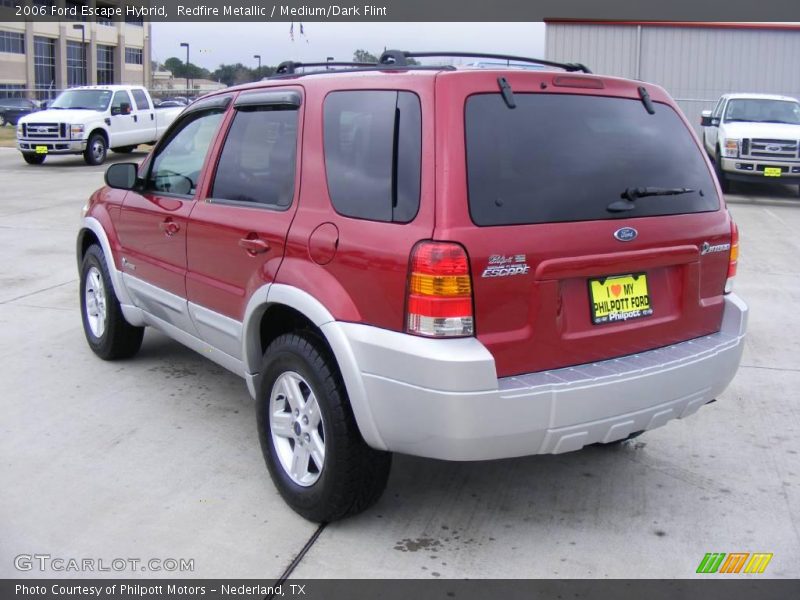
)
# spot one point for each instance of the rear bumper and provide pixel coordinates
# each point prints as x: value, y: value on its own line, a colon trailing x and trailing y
x: 441, y: 399
x: 53, y: 146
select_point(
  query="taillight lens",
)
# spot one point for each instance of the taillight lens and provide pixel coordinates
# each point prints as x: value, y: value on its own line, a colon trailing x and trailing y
x: 439, y: 291
x: 734, y: 258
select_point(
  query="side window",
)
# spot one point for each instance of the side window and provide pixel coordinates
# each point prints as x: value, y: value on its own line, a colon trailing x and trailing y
x: 373, y: 147
x: 178, y: 160
x: 718, y: 108
x: 121, y: 98
x: 141, y: 99
x: 257, y: 163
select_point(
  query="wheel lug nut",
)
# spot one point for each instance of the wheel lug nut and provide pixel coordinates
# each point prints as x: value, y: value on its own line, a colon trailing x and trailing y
x: 307, y: 437
x: 305, y: 420
x: 296, y: 412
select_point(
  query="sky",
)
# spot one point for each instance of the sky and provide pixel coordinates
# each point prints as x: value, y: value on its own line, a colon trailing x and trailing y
x: 212, y: 44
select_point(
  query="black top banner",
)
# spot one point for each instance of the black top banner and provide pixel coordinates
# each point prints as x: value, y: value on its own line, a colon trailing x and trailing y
x: 408, y: 10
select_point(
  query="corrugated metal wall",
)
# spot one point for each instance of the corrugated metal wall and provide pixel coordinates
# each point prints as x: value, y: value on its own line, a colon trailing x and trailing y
x: 696, y: 65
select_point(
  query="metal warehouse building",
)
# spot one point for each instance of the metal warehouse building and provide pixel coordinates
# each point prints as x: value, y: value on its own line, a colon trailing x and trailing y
x: 695, y: 62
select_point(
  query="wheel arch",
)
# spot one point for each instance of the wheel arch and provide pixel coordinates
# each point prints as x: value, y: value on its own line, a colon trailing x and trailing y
x: 275, y: 309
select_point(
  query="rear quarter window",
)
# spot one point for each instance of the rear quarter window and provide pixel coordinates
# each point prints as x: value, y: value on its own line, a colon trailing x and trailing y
x: 373, y: 145
x: 561, y: 157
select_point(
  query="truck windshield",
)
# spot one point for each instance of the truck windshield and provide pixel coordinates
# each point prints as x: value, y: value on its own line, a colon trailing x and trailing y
x: 761, y: 110
x: 83, y: 99
x: 562, y: 157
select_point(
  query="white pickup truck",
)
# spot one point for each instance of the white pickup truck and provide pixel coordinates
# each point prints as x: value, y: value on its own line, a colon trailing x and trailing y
x: 754, y: 137
x: 89, y: 120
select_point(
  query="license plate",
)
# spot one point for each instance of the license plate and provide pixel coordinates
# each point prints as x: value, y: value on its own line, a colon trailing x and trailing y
x: 41, y: 149
x: 772, y: 171
x: 619, y: 298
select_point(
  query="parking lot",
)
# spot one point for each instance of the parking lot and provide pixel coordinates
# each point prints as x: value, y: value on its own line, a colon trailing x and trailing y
x: 158, y: 457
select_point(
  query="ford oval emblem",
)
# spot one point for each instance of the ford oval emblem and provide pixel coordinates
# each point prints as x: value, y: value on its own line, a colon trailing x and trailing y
x: 626, y: 234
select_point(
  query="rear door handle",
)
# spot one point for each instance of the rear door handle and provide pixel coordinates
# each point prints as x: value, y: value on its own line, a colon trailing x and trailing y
x: 253, y: 246
x: 169, y: 227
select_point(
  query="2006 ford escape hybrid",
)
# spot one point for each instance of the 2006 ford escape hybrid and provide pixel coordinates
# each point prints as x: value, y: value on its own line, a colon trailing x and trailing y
x: 463, y: 264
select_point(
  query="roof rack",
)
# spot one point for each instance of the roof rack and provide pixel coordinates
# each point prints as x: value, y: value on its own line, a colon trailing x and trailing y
x: 290, y: 67
x: 398, y: 58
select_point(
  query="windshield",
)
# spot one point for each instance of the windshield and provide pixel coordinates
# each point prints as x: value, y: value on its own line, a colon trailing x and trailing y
x: 88, y: 99
x: 562, y: 157
x: 763, y: 111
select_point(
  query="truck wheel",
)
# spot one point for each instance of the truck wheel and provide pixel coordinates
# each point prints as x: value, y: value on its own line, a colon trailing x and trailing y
x: 96, y: 150
x: 124, y: 149
x: 724, y: 183
x: 109, y: 335
x: 33, y: 159
x: 312, y: 446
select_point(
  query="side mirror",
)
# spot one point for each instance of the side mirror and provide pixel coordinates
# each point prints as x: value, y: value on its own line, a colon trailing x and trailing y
x: 706, y: 120
x: 122, y: 176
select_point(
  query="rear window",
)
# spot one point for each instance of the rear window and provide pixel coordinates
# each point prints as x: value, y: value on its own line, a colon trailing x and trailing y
x: 141, y: 99
x: 560, y: 157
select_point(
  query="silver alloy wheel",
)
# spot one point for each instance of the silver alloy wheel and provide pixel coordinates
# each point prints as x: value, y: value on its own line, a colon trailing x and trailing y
x: 297, y: 429
x: 98, y: 149
x: 95, y: 302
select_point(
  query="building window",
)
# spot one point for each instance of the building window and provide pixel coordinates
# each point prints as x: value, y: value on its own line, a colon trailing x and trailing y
x: 104, y: 20
x: 12, y: 42
x: 12, y: 90
x: 11, y: 3
x: 76, y: 64
x: 135, y: 21
x: 75, y: 6
x: 134, y: 56
x: 44, y: 66
x: 105, y: 65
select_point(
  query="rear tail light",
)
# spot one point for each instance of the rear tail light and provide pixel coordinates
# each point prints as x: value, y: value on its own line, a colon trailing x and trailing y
x: 439, y: 300
x: 734, y: 258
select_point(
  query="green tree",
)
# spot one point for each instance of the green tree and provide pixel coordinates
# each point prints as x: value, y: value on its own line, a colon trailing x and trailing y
x: 362, y: 56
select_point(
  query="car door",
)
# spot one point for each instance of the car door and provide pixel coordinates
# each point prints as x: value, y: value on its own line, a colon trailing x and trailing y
x: 152, y: 221
x: 123, y: 120
x: 145, y: 118
x: 237, y: 233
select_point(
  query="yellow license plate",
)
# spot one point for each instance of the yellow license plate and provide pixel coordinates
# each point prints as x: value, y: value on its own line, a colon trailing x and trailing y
x: 619, y: 298
x: 772, y: 171
x: 41, y: 149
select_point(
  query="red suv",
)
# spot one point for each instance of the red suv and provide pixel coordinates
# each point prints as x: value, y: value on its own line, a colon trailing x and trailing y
x: 463, y: 264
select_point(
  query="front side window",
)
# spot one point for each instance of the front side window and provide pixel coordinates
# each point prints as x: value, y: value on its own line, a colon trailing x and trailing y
x: 118, y: 106
x: 179, y: 159
x: 257, y: 163
x: 564, y: 157
x: 373, y: 146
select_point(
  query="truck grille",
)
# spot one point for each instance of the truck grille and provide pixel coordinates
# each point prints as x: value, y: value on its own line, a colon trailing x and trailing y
x: 775, y: 149
x: 44, y: 131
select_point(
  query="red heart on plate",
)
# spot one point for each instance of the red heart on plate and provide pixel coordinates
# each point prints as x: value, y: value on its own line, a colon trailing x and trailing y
x: 616, y: 289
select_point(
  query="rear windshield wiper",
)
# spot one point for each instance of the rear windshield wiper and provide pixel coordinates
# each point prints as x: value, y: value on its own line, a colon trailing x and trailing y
x: 631, y: 195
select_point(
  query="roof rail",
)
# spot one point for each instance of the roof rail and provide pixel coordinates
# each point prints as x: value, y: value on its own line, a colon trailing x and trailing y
x: 398, y: 58
x: 289, y: 67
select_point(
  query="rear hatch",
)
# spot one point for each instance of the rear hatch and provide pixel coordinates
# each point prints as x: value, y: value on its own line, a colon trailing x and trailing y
x: 566, y: 269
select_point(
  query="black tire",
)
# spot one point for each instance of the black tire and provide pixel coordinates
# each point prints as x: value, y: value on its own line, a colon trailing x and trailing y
x: 118, y: 338
x: 724, y: 183
x: 124, y: 149
x: 33, y: 159
x: 96, y: 150
x: 353, y: 475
